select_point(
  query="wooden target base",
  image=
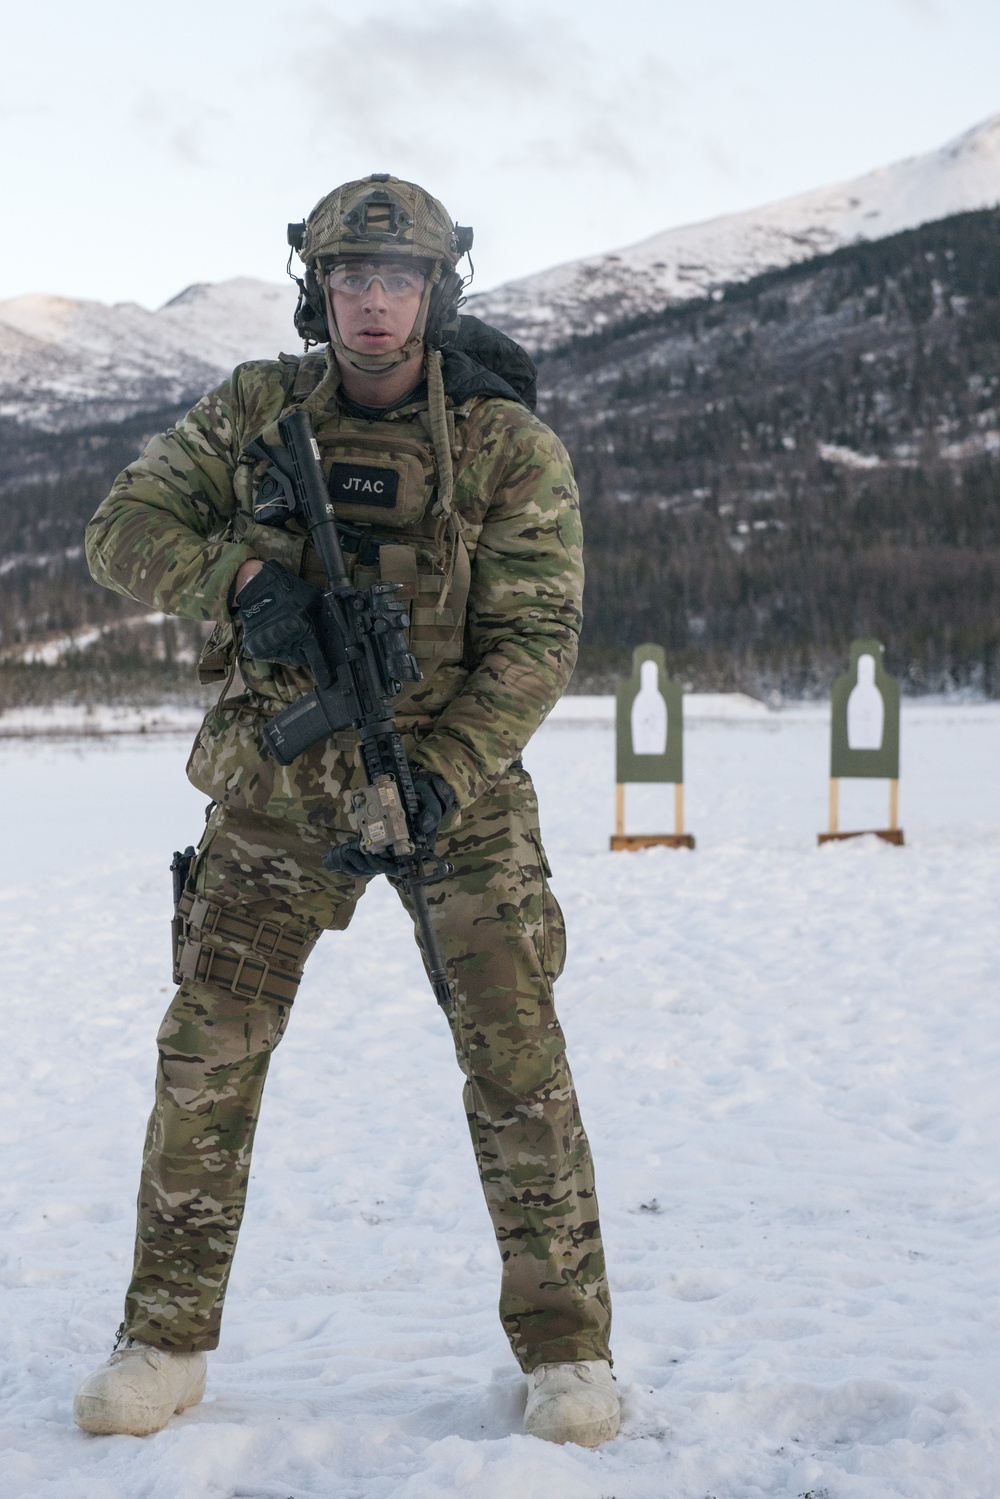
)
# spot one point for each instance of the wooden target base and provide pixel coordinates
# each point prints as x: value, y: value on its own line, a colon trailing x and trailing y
x: 632, y: 841
x: 629, y: 842
x: 889, y: 835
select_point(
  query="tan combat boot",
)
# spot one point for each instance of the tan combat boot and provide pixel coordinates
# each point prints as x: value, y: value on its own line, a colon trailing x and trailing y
x: 138, y: 1390
x: 573, y: 1403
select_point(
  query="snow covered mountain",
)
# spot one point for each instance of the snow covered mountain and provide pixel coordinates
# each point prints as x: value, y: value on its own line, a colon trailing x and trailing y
x: 68, y: 365
x: 587, y: 296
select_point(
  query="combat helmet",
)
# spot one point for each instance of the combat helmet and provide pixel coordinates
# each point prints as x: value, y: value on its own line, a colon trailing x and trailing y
x: 380, y: 217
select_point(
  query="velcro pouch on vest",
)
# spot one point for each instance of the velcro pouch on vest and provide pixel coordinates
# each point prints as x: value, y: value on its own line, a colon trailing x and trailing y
x: 383, y: 477
x: 398, y: 564
x: 437, y: 629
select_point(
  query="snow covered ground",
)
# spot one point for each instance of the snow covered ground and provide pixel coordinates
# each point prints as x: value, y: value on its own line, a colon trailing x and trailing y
x: 87, y: 721
x: 787, y: 1063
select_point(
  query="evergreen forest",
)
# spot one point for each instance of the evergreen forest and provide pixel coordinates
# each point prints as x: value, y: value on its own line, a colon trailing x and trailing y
x: 811, y: 457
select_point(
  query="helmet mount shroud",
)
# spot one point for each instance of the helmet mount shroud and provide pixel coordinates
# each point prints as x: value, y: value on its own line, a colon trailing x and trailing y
x: 380, y: 217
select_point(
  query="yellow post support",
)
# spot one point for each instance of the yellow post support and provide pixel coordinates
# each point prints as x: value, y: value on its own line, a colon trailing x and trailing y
x: 892, y: 834
x: 677, y: 839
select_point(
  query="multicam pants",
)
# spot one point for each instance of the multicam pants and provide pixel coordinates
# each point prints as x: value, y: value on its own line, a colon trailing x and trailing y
x: 501, y: 933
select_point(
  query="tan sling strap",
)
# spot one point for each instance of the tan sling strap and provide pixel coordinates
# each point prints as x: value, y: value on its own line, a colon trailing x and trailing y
x: 448, y: 522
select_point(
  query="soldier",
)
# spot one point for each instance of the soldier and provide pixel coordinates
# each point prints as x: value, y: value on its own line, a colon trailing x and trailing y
x: 445, y: 483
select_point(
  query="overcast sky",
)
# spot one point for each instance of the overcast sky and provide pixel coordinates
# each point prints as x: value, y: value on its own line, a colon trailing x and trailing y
x: 144, y: 147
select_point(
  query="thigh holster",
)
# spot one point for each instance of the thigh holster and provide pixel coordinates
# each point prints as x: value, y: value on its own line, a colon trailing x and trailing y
x: 228, y: 949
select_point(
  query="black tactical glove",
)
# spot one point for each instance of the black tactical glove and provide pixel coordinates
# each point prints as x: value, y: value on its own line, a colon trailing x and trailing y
x: 277, y: 611
x: 434, y: 798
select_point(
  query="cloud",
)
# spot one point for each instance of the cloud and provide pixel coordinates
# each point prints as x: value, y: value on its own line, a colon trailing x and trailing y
x: 18, y: 111
x: 922, y: 10
x: 180, y: 126
x: 502, y: 88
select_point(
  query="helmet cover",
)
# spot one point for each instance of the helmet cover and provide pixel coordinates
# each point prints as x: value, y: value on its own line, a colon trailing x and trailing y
x: 379, y: 217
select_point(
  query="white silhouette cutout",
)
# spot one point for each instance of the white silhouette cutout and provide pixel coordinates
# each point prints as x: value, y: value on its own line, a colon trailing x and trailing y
x: 649, y: 714
x: 865, y: 709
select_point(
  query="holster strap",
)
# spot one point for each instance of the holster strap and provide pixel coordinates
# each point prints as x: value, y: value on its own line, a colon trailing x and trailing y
x: 270, y: 967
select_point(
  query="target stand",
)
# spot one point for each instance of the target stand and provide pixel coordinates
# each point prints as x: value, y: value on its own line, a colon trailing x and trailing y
x: 632, y: 841
x: 892, y: 834
x: 864, y: 738
x: 649, y: 747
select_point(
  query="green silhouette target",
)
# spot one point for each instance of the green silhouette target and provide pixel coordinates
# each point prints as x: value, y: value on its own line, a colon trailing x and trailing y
x: 864, y: 725
x: 649, y: 744
x: 864, y: 735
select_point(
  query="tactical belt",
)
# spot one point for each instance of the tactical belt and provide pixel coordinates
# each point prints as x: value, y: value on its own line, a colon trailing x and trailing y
x: 251, y: 974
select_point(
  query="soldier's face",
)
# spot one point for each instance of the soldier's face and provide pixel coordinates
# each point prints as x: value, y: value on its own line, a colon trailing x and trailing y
x: 375, y: 322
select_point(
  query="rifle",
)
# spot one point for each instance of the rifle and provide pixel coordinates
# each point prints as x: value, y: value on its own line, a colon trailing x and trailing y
x: 359, y: 657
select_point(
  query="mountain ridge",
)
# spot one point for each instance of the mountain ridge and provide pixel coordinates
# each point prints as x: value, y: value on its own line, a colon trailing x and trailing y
x: 550, y: 308
x: 70, y: 364
x: 767, y: 466
x: 812, y: 457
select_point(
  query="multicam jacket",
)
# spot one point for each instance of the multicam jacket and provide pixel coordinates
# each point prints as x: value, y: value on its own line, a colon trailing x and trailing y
x: 496, y: 616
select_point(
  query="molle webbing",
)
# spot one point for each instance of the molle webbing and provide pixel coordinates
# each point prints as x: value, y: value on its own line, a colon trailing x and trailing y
x: 436, y: 635
x: 251, y: 958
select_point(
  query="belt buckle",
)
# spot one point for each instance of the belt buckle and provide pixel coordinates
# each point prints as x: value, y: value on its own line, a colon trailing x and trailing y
x: 270, y: 928
x: 190, y: 960
x: 200, y: 908
x: 237, y: 976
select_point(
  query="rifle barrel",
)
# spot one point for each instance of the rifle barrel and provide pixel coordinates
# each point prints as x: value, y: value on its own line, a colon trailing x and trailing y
x: 438, y: 973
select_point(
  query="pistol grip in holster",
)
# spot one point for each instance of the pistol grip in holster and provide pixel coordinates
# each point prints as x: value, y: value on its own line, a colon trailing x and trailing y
x: 180, y: 869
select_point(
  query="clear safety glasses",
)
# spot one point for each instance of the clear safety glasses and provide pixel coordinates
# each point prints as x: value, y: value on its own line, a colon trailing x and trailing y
x: 355, y: 277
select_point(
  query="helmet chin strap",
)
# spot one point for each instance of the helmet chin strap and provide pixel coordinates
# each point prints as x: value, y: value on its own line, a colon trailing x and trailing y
x: 375, y: 364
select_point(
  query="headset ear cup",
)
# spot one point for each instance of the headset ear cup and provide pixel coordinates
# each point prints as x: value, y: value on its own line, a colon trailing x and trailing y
x: 310, y: 313
x: 442, y: 315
